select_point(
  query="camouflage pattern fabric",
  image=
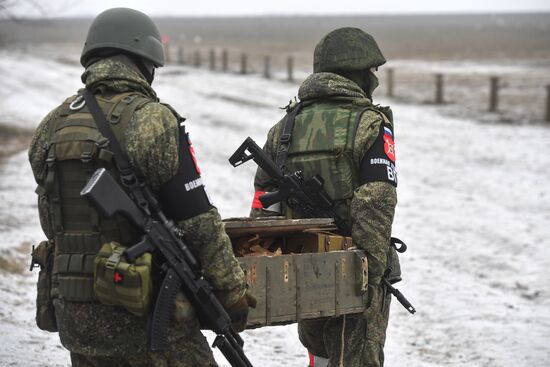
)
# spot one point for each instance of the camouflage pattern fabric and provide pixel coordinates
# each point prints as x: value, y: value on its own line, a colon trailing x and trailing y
x: 371, y: 211
x: 151, y: 143
x: 98, y: 335
x: 352, y: 340
x: 346, y: 49
x: 176, y: 357
x: 327, y: 85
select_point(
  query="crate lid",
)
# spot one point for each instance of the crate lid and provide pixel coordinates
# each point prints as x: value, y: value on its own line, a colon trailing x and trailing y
x: 236, y: 227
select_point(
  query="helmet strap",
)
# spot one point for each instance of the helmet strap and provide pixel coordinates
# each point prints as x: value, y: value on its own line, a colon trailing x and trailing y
x: 365, y: 79
x: 372, y: 84
x: 146, y: 69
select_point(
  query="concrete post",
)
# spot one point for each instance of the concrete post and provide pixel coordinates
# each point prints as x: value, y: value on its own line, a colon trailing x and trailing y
x: 493, y: 94
x: 198, y: 60
x: 167, y: 53
x: 390, y: 74
x: 212, y: 60
x: 225, y: 65
x: 439, y: 89
x: 243, y: 63
x: 181, y: 59
x: 290, y: 68
x: 267, y: 67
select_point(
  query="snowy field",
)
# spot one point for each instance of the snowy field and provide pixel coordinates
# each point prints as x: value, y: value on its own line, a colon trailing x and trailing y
x: 474, y: 208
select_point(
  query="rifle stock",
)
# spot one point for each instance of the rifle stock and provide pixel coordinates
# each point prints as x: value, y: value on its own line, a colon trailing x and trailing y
x: 258, y: 155
x: 183, y: 270
x: 109, y: 198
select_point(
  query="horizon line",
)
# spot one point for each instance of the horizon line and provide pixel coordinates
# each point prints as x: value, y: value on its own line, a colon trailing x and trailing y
x: 301, y: 15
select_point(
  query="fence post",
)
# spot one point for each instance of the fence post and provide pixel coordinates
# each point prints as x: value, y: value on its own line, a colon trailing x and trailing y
x: 289, y: 68
x: 181, y: 60
x: 243, y: 63
x: 548, y: 103
x: 390, y: 82
x: 267, y: 67
x: 224, y: 61
x: 493, y: 94
x: 439, y: 89
x: 197, y: 59
x: 167, y: 53
x: 212, y: 60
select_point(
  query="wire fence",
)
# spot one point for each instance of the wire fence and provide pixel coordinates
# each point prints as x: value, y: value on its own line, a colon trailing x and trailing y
x: 510, y: 97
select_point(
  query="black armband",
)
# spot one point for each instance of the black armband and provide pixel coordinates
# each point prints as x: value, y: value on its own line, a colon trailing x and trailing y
x: 378, y: 164
x: 184, y: 196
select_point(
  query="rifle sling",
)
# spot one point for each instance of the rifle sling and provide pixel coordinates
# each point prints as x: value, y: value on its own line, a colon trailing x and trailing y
x: 286, y: 136
x: 126, y: 169
x: 122, y: 161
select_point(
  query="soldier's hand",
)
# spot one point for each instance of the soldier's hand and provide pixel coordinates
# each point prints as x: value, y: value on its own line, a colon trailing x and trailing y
x: 239, y: 311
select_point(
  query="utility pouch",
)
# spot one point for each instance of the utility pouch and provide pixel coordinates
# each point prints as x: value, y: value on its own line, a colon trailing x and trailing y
x: 42, y: 256
x: 120, y: 283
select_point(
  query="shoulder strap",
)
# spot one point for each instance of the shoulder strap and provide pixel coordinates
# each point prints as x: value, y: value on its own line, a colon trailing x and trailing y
x: 286, y: 136
x: 126, y: 169
x: 122, y: 161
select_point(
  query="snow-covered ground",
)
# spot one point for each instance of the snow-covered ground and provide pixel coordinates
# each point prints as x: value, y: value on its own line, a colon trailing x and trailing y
x: 474, y: 208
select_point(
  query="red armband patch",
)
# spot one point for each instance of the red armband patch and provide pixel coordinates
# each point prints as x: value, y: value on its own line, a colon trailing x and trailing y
x: 389, y: 145
x: 378, y: 164
x: 256, y: 203
x: 192, y: 152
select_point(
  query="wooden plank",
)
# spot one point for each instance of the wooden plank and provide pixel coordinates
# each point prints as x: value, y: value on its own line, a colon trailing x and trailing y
x: 238, y: 227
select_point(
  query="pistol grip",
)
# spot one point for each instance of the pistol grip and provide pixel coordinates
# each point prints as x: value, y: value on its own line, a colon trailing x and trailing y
x: 271, y: 198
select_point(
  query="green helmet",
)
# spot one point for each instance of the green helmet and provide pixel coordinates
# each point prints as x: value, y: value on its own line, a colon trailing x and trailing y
x: 347, y: 49
x: 124, y: 29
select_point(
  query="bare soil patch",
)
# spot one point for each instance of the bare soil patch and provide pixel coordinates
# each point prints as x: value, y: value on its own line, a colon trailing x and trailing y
x: 14, y: 139
x: 11, y: 265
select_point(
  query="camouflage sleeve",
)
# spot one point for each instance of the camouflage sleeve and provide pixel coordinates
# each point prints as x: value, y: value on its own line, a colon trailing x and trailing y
x: 212, y: 246
x: 152, y: 145
x: 373, y: 204
x: 367, y: 131
x: 37, y: 148
x: 37, y: 158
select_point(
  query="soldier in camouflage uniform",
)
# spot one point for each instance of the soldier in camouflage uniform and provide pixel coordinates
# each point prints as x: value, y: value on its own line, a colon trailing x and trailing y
x: 122, y: 50
x: 346, y: 139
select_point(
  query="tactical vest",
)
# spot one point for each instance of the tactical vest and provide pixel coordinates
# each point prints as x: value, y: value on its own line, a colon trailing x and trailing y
x: 322, y: 143
x: 75, y: 149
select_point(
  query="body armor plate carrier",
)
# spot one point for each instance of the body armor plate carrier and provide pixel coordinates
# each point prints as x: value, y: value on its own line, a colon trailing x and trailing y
x: 75, y: 150
x: 322, y: 144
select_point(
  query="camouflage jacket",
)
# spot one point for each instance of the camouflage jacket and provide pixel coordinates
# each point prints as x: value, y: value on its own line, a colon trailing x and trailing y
x: 151, y: 143
x: 373, y: 204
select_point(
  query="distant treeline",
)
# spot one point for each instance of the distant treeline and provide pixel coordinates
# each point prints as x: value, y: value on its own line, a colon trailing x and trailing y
x: 480, y: 36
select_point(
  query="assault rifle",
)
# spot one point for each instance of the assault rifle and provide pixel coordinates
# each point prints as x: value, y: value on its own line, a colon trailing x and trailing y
x: 306, y: 196
x: 182, y: 268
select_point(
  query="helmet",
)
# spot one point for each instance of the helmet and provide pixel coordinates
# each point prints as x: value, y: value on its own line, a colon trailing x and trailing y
x: 124, y: 29
x: 347, y: 49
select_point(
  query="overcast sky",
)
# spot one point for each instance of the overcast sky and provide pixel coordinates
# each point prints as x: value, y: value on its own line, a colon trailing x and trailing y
x: 66, y: 8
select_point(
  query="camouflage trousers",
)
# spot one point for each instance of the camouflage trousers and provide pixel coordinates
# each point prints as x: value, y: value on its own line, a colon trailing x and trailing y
x: 355, y: 340
x: 105, y: 336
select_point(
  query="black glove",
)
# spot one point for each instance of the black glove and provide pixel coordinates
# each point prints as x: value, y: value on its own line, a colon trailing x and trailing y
x: 239, y: 311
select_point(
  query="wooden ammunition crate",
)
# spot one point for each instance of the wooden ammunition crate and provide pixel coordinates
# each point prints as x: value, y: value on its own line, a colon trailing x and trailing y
x: 290, y: 287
